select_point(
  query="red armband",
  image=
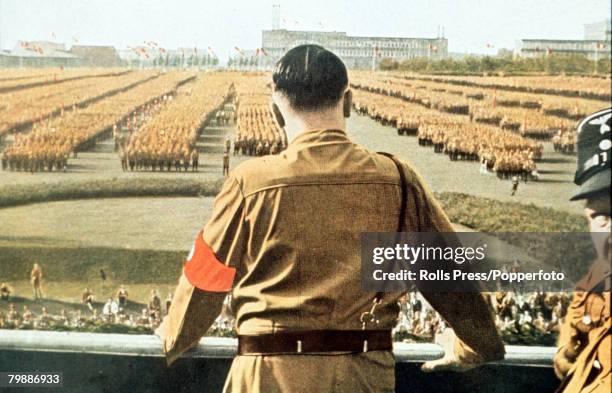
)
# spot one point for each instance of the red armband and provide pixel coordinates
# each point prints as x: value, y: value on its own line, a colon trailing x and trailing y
x: 204, y: 271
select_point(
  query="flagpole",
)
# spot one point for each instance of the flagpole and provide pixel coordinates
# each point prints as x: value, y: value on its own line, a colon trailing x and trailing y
x: 0, y: 25
x: 596, y: 58
x: 374, y: 59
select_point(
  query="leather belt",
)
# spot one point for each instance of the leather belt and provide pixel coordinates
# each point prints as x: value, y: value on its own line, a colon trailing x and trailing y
x: 315, y: 341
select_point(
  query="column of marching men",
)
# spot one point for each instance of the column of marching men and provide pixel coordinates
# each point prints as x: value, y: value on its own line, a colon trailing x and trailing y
x: 50, y: 143
x: 38, y: 104
x: 158, y: 139
x: 539, y: 117
x: 257, y: 133
x: 507, y: 154
x: 168, y: 141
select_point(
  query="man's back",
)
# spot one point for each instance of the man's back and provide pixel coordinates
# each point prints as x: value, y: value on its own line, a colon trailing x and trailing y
x: 304, y: 212
x: 284, y: 238
x: 301, y: 215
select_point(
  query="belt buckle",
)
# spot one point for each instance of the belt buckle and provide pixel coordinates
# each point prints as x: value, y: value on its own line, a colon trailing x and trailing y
x: 365, y: 345
x: 299, y: 346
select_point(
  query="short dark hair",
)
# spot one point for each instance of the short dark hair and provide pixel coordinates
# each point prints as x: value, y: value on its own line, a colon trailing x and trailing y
x: 311, y: 77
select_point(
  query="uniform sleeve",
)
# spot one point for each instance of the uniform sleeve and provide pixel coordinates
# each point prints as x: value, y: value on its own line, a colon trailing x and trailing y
x: 208, y: 274
x: 218, y: 249
x: 467, y: 313
x: 225, y: 231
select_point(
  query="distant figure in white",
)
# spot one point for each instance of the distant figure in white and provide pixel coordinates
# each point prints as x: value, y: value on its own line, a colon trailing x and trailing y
x: 110, y: 310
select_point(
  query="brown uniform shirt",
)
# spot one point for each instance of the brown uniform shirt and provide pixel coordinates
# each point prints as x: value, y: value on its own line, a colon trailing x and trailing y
x: 585, y: 339
x: 291, y: 225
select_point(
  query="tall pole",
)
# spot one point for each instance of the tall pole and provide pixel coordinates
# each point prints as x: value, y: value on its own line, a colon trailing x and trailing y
x: 0, y: 25
x: 596, y: 58
x: 374, y: 59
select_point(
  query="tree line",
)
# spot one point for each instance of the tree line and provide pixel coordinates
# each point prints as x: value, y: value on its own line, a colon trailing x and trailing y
x: 548, y: 64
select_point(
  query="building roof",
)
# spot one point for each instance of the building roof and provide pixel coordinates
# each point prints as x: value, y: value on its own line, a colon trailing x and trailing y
x: 40, y: 49
x: 561, y: 41
x: 342, y: 34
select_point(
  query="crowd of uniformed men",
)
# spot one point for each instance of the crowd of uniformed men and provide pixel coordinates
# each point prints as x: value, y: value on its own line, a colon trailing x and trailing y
x: 162, y: 134
x: 50, y: 143
x: 257, y: 133
x: 168, y: 141
x: 565, y: 142
x: 520, y: 317
x: 503, y: 152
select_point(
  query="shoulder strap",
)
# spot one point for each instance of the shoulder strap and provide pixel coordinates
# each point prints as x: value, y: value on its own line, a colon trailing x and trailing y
x: 404, y: 192
x: 401, y: 225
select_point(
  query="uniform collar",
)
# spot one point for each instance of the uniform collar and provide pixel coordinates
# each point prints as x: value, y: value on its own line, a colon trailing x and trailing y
x: 598, y: 273
x: 317, y: 137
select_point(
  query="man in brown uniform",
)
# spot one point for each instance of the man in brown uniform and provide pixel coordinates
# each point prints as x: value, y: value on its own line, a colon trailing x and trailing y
x: 36, y: 280
x: 226, y: 164
x: 284, y: 236
x: 584, y: 357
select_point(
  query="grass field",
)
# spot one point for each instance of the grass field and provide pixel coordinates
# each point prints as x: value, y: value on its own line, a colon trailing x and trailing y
x: 143, y: 241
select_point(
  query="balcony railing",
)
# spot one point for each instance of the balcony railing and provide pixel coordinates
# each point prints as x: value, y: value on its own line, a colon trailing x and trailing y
x: 134, y: 363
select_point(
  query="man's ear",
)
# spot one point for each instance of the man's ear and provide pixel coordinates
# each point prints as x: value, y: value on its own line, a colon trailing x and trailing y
x: 347, y: 103
x: 278, y: 115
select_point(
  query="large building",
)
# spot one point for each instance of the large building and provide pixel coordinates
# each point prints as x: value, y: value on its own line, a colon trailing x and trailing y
x: 599, y: 31
x: 356, y: 52
x: 38, y: 54
x: 53, y: 54
x: 595, y: 45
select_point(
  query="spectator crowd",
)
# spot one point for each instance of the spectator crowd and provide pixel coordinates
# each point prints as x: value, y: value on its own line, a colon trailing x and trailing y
x: 530, y: 318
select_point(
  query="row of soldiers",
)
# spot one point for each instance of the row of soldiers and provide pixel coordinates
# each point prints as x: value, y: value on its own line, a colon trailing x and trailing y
x: 510, y: 164
x: 257, y: 133
x: 528, y: 120
x: 169, y: 159
x: 38, y: 158
x: 564, y: 142
x: 505, y: 153
x: 257, y: 148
